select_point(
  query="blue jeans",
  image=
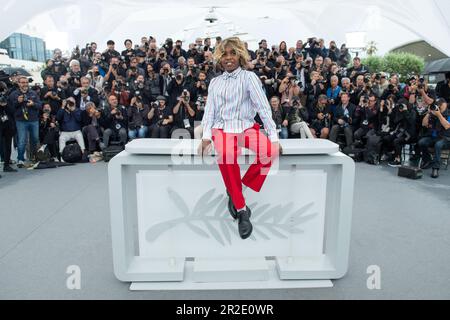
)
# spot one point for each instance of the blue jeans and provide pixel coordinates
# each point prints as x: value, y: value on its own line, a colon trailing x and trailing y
x: 23, y: 127
x: 284, y: 134
x: 438, y: 143
x: 138, y: 133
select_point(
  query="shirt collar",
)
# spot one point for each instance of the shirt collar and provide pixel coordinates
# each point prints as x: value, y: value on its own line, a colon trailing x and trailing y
x: 233, y: 74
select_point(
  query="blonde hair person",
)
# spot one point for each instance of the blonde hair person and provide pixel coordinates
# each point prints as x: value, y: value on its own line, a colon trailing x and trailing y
x: 235, y: 44
x: 234, y: 99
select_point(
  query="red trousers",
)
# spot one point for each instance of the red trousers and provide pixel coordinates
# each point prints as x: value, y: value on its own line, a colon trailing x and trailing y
x: 228, y: 148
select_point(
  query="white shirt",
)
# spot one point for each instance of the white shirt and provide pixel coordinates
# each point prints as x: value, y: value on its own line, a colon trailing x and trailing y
x: 233, y: 101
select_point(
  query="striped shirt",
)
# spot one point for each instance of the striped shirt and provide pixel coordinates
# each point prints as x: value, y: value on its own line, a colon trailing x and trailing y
x: 233, y: 101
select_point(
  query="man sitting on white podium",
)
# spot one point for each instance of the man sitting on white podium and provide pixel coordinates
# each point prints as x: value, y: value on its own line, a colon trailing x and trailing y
x: 234, y: 98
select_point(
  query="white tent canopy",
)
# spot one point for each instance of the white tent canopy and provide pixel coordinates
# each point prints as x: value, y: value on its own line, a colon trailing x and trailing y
x: 389, y: 23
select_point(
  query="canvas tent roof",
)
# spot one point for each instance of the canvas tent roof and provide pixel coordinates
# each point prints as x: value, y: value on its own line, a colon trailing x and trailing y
x: 389, y: 23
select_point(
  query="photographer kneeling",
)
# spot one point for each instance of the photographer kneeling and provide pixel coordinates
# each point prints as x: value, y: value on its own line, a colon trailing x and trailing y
x: 137, y: 118
x: 404, y: 122
x: 161, y: 117
x: 92, y: 129
x: 116, y: 122
x: 437, y: 121
x: 69, y: 119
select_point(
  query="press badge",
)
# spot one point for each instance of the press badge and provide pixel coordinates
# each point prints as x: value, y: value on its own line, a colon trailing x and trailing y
x: 186, y: 123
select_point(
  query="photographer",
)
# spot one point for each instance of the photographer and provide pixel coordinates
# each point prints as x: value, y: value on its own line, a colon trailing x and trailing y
x: 344, y: 57
x: 69, y: 120
x: 134, y: 71
x: 333, y: 93
x: 138, y: 122
x: 357, y: 69
x: 75, y: 74
x: 139, y: 89
x: 289, y: 88
x: 48, y: 131
x: 184, y: 113
x: 26, y: 105
x: 129, y: 52
x: 153, y: 83
x: 404, y: 124
x: 343, y: 120
x: 7, y: 128
x: 51, y: 94
x: 321, y: 118
x: 176, y: 87
x: 166, y: 78
x: 163, y: 59
x: 177, y: 51
x: 161, y: 117
x: 314, y: 89
x: 298, y: 118
x: 366, y: 118
x: 115, y: 122
x: 85, y: 94
x: 443, y: 88
x: 112, y: 74
x: 334, y: 53
x: 110, y: 53
x: 419, y: 94
x: 437, y: 121
x: 201, y: 86
x: 121, y: 91
x: 96, y: 79
x: 92, y: 127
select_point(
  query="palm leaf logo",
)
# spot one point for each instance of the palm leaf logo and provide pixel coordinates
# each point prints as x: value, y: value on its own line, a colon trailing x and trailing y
x: 210, y: 219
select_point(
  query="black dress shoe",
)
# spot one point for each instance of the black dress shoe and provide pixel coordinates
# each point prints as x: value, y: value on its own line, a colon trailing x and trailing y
x: 232, y: 210
x: 426, y: 165
x: 245, y: 226
x: 435, y: 173
x: 9, y: 169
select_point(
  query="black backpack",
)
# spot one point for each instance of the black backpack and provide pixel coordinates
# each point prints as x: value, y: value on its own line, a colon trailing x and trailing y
x: 72, y: 153
x: 373, y: 149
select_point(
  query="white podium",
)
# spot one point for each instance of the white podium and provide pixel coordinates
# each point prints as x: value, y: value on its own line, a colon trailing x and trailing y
x: 171, y: 228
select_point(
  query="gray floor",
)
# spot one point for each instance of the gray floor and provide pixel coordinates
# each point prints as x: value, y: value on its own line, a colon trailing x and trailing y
x: 51, y: 219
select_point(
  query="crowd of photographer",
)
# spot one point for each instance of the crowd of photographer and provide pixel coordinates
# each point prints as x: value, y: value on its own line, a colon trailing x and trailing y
x: 149, y: 91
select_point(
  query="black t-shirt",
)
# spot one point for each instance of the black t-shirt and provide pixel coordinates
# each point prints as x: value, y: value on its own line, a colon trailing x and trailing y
x: 161, y: 114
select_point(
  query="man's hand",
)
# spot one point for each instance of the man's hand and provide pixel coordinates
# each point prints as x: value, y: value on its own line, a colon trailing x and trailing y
x: 435, y: 113
x: 285, y: 123
x: 20, y: 99
x: 205, y: 147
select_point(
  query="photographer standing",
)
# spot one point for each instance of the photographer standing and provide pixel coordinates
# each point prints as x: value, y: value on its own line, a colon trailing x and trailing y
x: 7, y: 128
x: 161, y: 117
x: 51, y: 94
x: 357, y: 69
x: 116, y: 122
x: 437, y: 121
x: 69, y: 120
x: 184, y: 113
x: 85, y: 94
x: 26, y: 105
x: 153, y: 83
x: 110, y: 53
x: 129, y: 52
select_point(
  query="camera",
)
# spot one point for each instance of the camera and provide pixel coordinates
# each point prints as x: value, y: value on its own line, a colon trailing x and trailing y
x: 434, y: 107
x: 185, y: 95
x: 365, y: 99
x: 421, y: 84
x: 200, y: 103
x: 3, y: 100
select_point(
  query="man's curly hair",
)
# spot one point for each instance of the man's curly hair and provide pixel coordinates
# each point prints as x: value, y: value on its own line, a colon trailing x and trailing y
x: 235, y: 44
